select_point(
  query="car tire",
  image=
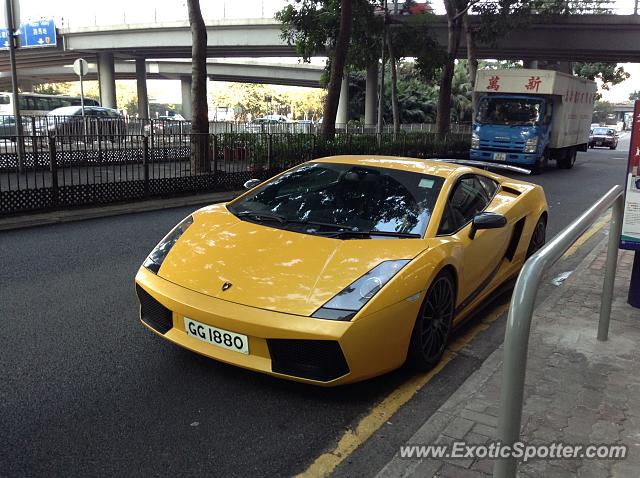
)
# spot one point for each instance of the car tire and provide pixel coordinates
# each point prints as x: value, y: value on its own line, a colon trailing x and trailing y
x: 613, y: 147
x: 433, y: 325
x: 538, y: 237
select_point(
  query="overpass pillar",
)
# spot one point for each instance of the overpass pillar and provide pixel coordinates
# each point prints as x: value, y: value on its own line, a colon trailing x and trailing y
x: 141, y: 82
x: 371, y: 96
x: 533, y: 64
x: 107, y: 80
x: 185, y: 88
x: 26, y: 85
x: 343, y: 104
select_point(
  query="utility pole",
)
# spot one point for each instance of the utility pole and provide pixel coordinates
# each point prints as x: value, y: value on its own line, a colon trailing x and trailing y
x: 9, y: 14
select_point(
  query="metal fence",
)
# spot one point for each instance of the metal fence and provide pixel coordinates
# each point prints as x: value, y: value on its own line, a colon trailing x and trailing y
x: 516, y: 338
x: 54, y: 172
x: 92, y: 125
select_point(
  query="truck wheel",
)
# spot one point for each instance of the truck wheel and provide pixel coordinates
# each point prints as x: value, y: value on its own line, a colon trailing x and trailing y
x: 541, y: 164
x: 567, y: 160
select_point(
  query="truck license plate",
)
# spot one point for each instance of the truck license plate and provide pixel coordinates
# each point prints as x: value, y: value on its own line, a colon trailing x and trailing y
x: 500, y: 156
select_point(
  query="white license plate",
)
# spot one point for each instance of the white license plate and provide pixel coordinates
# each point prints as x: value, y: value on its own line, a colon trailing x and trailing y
x: 598, y: 143
x: 215, y: 336
x: 500, y: 156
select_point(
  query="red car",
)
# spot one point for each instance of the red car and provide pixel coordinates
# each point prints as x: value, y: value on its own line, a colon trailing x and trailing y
x: 604, y: 137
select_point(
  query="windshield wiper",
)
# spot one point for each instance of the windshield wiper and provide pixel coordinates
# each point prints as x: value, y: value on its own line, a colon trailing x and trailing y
x: 260, y: 216
x: 405, y: 235
x: 269, y: 216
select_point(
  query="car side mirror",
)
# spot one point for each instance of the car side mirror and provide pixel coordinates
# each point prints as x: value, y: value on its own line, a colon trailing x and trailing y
x: 252, y: 183
x: 486, y: 220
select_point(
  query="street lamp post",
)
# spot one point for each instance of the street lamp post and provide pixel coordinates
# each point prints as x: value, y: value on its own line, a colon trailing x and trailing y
x: 9, y: 14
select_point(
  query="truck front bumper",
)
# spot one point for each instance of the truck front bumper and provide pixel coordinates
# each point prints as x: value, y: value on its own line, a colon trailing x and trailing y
x: 509, y: 157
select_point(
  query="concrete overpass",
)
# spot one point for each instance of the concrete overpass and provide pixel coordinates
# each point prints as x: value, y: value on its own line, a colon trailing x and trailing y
x: 565, y: 38
x: 561, y: 38
x: 241, y: 71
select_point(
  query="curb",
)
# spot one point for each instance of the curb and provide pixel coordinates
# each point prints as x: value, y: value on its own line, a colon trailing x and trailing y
x: 63, y: 216
x: 450, y: 409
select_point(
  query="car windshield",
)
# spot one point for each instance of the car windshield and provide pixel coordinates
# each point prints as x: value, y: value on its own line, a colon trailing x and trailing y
x: 323, y: 198
x: 603, y: 132
x: 511, y: 111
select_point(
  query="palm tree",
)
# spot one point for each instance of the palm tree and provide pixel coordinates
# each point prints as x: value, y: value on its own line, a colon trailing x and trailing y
x: 461, y: 93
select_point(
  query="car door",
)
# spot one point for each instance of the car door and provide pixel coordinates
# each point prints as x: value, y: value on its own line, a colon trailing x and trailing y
x: 482, y: 255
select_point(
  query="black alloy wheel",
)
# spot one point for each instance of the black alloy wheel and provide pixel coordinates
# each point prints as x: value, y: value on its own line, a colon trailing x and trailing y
x: 433, y: 324
x: 538, y: 238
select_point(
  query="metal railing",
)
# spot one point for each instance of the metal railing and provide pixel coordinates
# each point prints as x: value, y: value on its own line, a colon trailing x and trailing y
x: 90, y: 125
x: 521, y: 310
x: 61, y: 171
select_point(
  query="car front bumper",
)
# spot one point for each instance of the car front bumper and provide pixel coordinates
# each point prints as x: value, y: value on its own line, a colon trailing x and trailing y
x: 601, y: 142
x: 305, y: 349
x: 528, y: 159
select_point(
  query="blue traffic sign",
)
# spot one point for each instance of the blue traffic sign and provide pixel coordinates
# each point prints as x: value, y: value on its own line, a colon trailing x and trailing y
x: 4, y: 38
x: 36, y: 34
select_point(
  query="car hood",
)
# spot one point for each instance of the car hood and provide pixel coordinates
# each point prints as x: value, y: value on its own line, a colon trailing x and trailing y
x: 272, y: 268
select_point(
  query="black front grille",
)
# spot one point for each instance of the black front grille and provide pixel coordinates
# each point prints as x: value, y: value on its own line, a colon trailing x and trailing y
x: 321, y: 360
x: 153, y: 313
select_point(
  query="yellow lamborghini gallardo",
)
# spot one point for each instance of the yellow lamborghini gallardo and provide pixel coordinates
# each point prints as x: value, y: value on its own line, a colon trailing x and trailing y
x: 342, y: 268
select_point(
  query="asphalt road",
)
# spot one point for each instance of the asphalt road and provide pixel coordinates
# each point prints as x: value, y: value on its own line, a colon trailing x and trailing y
x: 85, y: 390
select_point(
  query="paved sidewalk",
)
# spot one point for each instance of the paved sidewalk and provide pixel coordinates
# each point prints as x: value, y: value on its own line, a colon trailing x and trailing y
x: 577, y: 390
x: 80, y: 214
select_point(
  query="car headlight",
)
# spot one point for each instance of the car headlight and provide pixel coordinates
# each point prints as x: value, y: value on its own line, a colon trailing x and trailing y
x: 531, y: 145
x: 475, y: 141
x: 158, y: 254
x: 350, y: 300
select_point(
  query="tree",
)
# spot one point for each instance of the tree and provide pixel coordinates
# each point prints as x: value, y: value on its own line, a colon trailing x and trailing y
x: 455, y: 10
x: 200, y: 111
x: 411, y: 38
x: 608, y: 73
x: 634, y: 96
x: 316, y: 26
x: 337, y: 60
x: 52, y: 88
x: 602, y: 111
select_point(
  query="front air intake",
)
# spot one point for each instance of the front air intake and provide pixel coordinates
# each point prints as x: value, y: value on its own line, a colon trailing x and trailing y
x: 320, y: 360
x: 153, y: 313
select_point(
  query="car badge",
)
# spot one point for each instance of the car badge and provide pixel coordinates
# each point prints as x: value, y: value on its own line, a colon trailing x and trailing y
x: 226, y: 286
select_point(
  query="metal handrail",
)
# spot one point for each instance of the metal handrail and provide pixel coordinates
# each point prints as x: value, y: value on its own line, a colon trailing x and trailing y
x: 516, y: 337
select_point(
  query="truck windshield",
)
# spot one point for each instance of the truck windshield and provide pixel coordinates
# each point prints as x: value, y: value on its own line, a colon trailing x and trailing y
x: 509, y: 111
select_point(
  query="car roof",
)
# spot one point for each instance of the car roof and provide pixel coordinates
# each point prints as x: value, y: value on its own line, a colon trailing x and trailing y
x: 416, y: 165
x: 65, y: 111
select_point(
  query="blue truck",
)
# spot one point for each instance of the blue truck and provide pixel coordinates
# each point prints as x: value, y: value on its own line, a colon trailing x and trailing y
x: 528, y: 117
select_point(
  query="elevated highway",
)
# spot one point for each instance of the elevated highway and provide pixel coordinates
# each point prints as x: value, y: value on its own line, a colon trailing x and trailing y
x: 610, y: 38
x: 566, y: 38
x: 237, y: 70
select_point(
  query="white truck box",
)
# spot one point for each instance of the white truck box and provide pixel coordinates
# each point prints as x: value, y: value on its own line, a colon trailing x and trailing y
x: 573, y: 98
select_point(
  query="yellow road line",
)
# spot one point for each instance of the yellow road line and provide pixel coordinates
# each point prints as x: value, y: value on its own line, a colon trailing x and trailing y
x: 587, y: 235
x: 381, y: 413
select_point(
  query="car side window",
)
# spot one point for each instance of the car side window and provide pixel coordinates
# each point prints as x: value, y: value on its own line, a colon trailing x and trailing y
x: 489, y: 185
x: 468, y: 198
